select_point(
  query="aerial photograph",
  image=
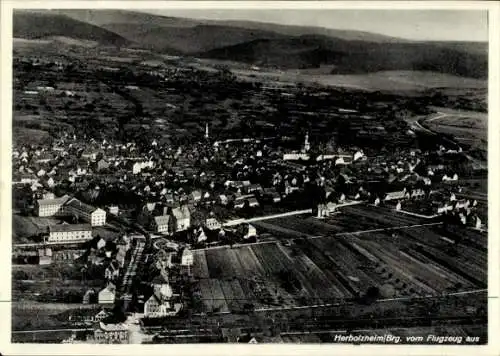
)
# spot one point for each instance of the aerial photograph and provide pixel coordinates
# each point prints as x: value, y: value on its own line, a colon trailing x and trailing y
x: 187, y: 176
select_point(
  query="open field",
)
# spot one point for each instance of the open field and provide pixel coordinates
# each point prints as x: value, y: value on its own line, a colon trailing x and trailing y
x: 323, y: 261
x: 384, y: 81
x: 58, y: 282
x: 397, y: 80
x: 468, y: 128
x: 32, y: 315
x: 24, y: 227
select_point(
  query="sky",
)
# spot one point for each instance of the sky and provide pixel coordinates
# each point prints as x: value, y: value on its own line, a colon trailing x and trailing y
x: 431, y: 25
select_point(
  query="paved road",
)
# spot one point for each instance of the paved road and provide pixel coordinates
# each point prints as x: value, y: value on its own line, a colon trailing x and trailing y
x: 41, y: 244
x: 47, y: 330
x: 415, y: 124
x: 284, y: 215
x: 417, y: 215
x: 267, y: 217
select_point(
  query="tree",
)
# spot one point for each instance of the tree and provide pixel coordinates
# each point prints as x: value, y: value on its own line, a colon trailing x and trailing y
x: 371, y: 295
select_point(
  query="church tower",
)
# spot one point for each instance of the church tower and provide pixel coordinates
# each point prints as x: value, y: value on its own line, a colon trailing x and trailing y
x: 207, y: 136
x: 307, y: 145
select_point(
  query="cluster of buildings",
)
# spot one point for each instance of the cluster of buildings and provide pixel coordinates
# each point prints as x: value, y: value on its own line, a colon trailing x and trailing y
x: 172, y: 184
x: 67, y: 206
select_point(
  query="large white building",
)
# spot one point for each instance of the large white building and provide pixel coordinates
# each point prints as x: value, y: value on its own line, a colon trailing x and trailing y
x: 212, y: 224
x: 162, y: 224
x: 187, y: 257
x: 67, y: 206
x: 111, y: 333
x: 95, y: 216
x: 158, y: 305
x: 182, y: 218
x: 52, y: 207
x: 107, y: 295
x: 69, y: 233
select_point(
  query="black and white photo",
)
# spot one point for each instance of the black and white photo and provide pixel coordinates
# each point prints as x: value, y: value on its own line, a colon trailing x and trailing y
x: 250, y: 176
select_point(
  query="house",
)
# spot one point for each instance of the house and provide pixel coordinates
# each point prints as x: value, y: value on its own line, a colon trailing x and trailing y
x: 324, y: 210
x: 69, y: 233
x: 101, y: 243
x: 102, y: 165
x: 251, y: 232
x: 196, y: 195
x: 48, y: 195
x: 163, y: 224
x: 139, y: 166
x: 295, y: 156
x: 44, y: 256
x: 50, y: 182
x: 82, y: 316
x: 253, y: 188
x: 111, y: 333
x: 136, y: 168
x: 169, y: 198
x: 212, y: 224
x: 113, y: 210
x: 252, y: 201
x: 443, y: 208
x: 478, y: 224
x: 223, y: 199
x: 120, y: 255
x: 113, y: 271
x: 52, y: 207
x: 239, y: 204
x: 342, y: 161
x: 101, y: 315
x: 182, y: 218
x: 90, y: 297
x: 107, y: 295
x: 276, y: 197
x: 417, y: 193
x: 125, y: 242
x: 201, y: 236
x: 358, y: 155
x: 158, y: 304
x: 396, y: 195
x: 187, y: 257
x: 86, y: 212
x: 462, y: 204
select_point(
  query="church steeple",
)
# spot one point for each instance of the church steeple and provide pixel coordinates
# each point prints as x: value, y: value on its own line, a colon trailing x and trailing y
x: 307, y: 145
x: 207, y: 136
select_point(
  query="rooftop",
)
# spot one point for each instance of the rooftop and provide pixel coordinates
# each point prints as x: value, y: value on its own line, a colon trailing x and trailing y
x: 77, y: 204
x: 162, y: 220
x: 70, y: 227
x: 181, y: 213
x: 56, y: 201
x: 113, y: 327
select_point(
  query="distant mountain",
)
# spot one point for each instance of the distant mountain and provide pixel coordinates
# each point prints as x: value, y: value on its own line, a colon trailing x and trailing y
x: 108, y: 18
x: 349, y: 35
x: 187, y: 40
x: 350, y: 57
x: 190, y: 36
x: 40, y: 25
x: 346, y: 52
